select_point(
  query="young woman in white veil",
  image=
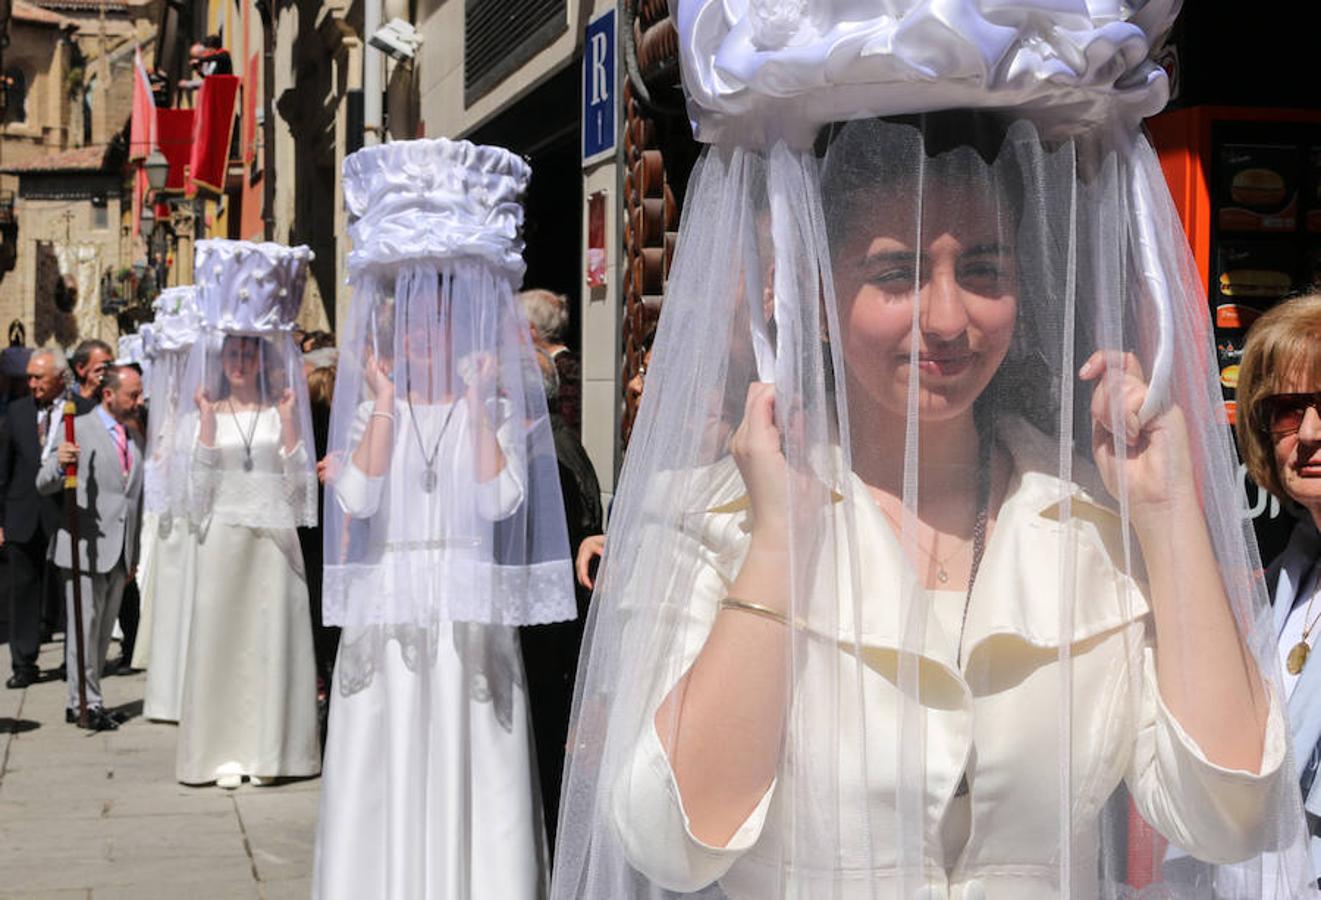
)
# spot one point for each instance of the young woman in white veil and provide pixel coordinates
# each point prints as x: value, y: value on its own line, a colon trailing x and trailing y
x: 445, y: 530
x: 943, y: 590
x: 167, y: 583
x: 247, y: 705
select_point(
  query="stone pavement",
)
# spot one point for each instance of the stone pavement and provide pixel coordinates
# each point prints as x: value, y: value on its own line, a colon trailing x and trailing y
x: 88, y: 815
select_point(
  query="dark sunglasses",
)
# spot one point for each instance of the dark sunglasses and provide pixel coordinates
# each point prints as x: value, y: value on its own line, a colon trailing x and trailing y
x: 1283, y: 413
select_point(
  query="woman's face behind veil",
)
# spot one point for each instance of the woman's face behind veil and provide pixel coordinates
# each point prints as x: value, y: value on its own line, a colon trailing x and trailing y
x: 946, y: 244
x: 240, y: 360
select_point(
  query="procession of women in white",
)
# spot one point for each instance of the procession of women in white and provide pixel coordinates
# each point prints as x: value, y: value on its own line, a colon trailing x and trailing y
x: 925, y: 577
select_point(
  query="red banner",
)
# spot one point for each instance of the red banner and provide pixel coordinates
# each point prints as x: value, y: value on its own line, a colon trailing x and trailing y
x: 213, y: 129
x: 174, y: 135
x: 142, y: 132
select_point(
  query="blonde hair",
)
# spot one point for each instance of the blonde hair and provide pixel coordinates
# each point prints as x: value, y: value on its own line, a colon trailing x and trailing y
x: 321, y: 385
x: 1283, y: 346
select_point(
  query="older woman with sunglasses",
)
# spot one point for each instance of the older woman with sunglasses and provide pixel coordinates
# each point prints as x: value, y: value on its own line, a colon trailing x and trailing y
x: 1279, y: 431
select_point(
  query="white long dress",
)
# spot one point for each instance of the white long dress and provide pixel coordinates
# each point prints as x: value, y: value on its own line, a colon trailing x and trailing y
x: 167, y: 585
x: 249, y: 686
x: 429, y: 789
x: 145, y: 577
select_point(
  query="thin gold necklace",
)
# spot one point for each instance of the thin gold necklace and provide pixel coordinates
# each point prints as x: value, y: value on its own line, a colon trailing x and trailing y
x: 1300, y: 651
x: 942, y: 574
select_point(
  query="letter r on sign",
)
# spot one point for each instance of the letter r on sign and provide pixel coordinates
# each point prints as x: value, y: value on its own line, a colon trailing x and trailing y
x: 600, y: 84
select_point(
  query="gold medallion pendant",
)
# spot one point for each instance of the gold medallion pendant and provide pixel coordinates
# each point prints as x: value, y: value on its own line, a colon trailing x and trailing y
x: 1297, y: 657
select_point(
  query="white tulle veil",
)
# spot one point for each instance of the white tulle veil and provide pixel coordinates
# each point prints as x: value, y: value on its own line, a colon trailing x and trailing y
x: 244, y: 381
x: 172, y: 333
x: 927, y: 575
x: 443, y: 503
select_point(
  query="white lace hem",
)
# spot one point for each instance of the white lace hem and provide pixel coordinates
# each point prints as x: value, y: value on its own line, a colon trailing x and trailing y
x: 422, y: 590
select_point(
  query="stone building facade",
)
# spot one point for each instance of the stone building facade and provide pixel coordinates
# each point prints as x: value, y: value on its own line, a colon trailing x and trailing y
x: 68, y: 71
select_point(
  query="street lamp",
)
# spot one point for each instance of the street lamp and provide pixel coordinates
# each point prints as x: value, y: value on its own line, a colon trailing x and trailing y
x: 157, y: 168
x: 147, y: 218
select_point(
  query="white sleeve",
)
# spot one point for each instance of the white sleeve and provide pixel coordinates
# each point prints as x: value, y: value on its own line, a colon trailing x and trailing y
x: 358, y: 494
x: 1216, y: 814
x: 296, y: 481
x: 204, y: 475
x: 646, y: 806
x: 654, y: 828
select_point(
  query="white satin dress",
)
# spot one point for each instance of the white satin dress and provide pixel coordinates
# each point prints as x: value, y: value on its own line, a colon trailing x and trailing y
x: 429, y: 789
x: 249, y: 686
x: 1000, y: 841
x: 168, y: 581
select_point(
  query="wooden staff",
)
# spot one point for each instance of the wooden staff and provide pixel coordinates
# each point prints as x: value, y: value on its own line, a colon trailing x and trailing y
x: 71, y: 508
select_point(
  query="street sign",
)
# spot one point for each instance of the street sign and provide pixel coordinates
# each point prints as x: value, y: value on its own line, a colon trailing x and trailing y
x: 600, y: 104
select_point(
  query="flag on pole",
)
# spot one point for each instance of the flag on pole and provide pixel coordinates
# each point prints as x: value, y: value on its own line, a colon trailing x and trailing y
x: 142, y: 134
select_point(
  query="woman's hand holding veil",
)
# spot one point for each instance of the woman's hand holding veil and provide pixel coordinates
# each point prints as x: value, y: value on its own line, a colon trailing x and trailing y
x: 376, y: 373
x: 206, y: 414
x: 1156, y: 462
x: 1207, y: 677
x: 758, y: 453
x: 286, y: 408
x: 481, y: 373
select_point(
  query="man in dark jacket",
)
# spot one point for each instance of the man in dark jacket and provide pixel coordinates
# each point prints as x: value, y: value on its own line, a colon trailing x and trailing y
x: 27, y: 519
x: 550, y: 652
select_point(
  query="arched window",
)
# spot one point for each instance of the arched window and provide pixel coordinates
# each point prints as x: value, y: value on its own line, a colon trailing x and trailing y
x: 16, y: 94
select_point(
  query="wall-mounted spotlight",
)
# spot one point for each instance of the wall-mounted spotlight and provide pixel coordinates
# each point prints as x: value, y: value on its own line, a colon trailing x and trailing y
x: 397, y: 39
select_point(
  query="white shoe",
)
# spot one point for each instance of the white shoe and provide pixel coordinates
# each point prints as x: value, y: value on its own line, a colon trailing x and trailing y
x: 260, y: 781
x: 229, y: 776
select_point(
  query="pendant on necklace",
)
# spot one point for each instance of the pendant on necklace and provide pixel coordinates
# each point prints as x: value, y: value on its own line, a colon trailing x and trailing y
x: 941, y: 575
x: 247, y: 462
x: 1297, y: 657
x: 429, y: 480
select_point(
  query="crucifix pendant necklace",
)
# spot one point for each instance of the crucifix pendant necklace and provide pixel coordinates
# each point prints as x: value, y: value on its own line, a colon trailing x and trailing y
x: 1300, y: 651
x: 429, y: 477
x: 246, y: 436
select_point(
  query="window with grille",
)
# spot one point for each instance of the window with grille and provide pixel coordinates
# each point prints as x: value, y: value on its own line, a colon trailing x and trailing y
x: 499, y: 36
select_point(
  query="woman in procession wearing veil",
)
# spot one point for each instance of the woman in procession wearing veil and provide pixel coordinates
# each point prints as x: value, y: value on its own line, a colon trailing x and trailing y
x: 944, y: 589
x: 242, y: 451
x: 167, y: 578
x: 444, y: 530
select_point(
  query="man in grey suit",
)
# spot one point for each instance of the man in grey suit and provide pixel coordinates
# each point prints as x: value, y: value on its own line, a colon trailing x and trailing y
x: 109, y: 512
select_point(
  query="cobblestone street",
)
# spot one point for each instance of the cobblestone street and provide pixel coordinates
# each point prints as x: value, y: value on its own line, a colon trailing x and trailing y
x: 88, y: 815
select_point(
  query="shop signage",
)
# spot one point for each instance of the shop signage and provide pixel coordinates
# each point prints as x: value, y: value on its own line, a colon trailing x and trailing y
x: 600, y: 105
